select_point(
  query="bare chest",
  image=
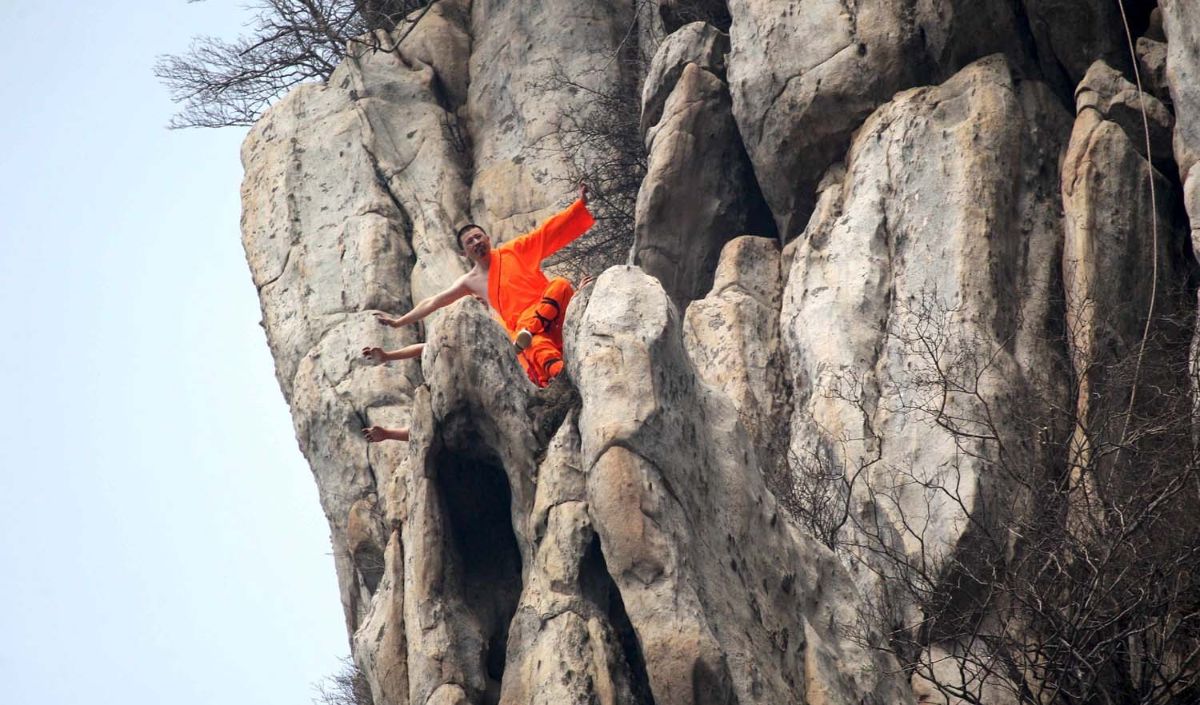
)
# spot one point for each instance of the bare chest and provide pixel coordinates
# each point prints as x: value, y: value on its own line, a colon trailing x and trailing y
x: 477, y: 283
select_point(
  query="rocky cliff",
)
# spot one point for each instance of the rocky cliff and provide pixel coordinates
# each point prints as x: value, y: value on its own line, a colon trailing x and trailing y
x: 889, y: 267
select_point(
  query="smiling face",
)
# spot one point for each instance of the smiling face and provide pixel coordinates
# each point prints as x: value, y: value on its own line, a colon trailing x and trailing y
x: 474, y: 242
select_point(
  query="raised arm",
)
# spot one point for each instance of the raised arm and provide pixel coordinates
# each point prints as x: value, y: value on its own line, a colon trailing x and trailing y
x: 456, y: 291
x: 558, y: 231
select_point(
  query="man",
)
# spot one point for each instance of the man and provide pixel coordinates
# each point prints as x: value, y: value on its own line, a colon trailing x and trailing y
x: 510, y: 279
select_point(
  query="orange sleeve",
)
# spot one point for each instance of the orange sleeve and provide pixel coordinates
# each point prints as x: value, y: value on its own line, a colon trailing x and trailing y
x: 554, y: 234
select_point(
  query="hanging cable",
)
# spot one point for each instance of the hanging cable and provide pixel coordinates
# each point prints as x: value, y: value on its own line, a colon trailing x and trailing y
x: 1137, y: 369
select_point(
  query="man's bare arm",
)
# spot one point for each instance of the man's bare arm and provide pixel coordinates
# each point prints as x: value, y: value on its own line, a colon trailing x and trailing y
x: 379, y: 355
x: 377, y: 434
x: 456, y: 291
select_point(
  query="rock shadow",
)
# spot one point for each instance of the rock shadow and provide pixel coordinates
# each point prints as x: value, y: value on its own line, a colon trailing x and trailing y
x: 598, y: 588
x: 483, y: 558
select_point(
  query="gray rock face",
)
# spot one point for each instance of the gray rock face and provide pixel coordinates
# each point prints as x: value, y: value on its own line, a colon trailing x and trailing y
x: 712, y: 604
x: 349, y: 200
x: 1106, y: 92
x: 636, y: 533
x: 1152, y: 63
x: 900, y: 257
x: 1116, y: 255
x: 698, y: 43
x: 314, y: 211
x: 698, y: 192
x: 524, y: 61
x: 804, y: 77
x: 732, y: 338
x: 416, y: 142
x: 443, y: 43
x: 1182, y: 28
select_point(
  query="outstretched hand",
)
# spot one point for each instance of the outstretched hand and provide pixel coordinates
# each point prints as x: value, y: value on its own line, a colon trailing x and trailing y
x: 588, y: 280
x: 385, y: 320
x: 375, y: 434
x: 375, y: 355
x: 583, y: 192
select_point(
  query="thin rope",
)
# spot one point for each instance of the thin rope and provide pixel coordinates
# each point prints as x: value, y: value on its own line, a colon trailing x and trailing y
x: 637, y: 9
x: 1137, y: 369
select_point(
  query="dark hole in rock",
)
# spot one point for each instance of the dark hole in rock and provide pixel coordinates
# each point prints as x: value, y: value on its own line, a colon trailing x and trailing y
x: 598, y: 587
x: 1137, y: 12
x: 677, y: 13
x: 485, y: 557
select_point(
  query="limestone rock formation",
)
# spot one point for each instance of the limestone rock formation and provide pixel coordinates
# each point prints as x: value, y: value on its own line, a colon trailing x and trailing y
x: 1182, y: 28
x: 714, y: 603
x: 876, y: 264
x: 1109, y: 255
x: 804, y: 78
x: 315, y: 212
x: 531, y: 67
x: 732, y: 338
x: 929, y: 252
x: 698, y: 43
x: 1152, y: 64
x: 699, y: 190
x: 1105, y: 93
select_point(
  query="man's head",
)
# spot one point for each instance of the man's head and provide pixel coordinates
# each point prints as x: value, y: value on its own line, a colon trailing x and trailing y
x: 474, y: 242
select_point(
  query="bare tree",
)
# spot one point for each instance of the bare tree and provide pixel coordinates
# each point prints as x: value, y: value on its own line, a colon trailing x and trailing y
x: 222, y: 83
x: 348, y: 686
x: 1089, y: 590
x: 602, y: 146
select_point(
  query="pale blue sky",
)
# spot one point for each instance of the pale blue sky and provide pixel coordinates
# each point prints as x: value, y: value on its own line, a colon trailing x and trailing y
x: 160, y: 536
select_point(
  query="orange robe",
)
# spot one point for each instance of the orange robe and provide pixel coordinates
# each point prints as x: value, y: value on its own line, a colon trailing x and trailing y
x: 517, y: 287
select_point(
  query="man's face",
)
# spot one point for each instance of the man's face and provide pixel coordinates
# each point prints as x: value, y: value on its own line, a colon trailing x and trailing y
x: 476, y: 243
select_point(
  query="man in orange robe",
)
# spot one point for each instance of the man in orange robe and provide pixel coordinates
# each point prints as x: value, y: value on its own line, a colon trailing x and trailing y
x: 509, y: 277
x: 530, y: 306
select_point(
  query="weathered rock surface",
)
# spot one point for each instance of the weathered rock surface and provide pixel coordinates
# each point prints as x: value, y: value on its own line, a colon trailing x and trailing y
x: 1114, y: 241
x: 1152, y: 63
x: 1106, y: 92
x: 698, y: 43
x: 629, y: 535
x: 699, y: 190
x: 441, y: 41
x: 1182, y: 27
x: 314, y: 211
x: 416, y: 141
x: 923, y: 259
x: 713, y: 604
x: 524, y: 60
x: 804, y: 77
x: 732, y: 338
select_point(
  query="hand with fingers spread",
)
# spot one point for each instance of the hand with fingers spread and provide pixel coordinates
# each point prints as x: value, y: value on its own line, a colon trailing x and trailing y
x: 376, y: 355
x: 385, y: 320
x: 587, y: 281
